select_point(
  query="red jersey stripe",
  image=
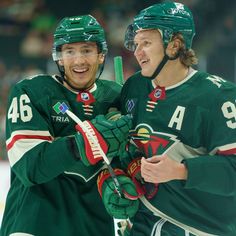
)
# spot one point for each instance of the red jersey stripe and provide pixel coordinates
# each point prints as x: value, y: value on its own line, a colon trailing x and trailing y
x: 227, y: 152
x: 23, y: 136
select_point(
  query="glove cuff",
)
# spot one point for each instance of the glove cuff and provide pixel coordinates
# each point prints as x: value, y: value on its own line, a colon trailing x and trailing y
x: 134, y: 169
x: 92, y: 150
x: 104, y: 175
x: 143, y: 188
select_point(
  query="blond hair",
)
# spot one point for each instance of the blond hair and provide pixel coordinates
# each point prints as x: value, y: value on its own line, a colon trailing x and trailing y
x: 187, y: 56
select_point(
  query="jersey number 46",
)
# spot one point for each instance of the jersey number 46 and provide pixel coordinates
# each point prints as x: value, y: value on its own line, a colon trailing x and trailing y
x: 19, y: 109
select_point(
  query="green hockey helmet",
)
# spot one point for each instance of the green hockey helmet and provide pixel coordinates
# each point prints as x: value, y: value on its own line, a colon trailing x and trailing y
x: 74, y: 29
x: 169, y: 18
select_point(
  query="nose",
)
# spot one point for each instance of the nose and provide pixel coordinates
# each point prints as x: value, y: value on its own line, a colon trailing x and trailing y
x: 138, y: 51
x: 79, y: 58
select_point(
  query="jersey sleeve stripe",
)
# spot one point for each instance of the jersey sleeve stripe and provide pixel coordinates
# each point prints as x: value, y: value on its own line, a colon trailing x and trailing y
x: 229, y: 149
x: 27, y: 134
x: 227, y: 152
x: 25, y: 137
x: 22, y: 141
x: 20, y: 147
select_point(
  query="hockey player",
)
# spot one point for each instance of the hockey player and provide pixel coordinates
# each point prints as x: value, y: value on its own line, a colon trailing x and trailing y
x: 185, y: 128
x: 53, y: 182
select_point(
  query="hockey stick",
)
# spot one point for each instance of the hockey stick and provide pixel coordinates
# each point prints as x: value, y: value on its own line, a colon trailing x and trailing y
x: 106, y: 160
x: 118, y: 66
x: 117, y: 186
x: 119, y: 79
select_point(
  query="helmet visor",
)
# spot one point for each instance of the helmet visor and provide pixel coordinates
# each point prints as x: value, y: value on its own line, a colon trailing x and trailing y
x: 129, y: 38
x: 69, y: 52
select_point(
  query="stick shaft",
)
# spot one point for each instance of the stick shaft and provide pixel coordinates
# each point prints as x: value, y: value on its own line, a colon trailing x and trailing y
x: 106, y: 160
x: 111, y: 171
x: 118, y: 66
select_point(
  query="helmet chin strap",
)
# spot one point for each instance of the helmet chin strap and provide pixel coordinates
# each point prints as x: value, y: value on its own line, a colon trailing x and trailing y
x: 160, y: 66
x: 165, y: 59
x: 63, y: 77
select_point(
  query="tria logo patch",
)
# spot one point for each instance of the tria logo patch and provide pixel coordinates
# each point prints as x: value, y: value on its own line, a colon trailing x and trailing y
x: 151, y: 142
x: 60, y: 107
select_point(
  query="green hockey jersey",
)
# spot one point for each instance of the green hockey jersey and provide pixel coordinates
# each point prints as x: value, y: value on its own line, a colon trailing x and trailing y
x: 52, y: 192
x: 193, y: 122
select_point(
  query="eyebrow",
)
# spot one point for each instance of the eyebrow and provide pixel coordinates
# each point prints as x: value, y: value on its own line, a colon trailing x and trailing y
x: 142, y: 38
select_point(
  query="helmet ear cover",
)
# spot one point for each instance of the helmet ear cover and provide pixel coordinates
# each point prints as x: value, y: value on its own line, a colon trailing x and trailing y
x: 170, y: 18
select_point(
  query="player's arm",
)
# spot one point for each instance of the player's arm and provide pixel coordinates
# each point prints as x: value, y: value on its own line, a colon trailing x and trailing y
x: 34, y: 155
x: 37, y: 157
x: 216, y: 173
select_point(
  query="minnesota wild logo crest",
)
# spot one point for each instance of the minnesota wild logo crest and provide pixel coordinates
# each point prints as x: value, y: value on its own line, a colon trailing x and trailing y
x: 151, y: 142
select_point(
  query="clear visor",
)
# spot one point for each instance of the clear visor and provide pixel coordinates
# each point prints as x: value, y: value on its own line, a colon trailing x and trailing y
x: 129, y: 38
x: 131, y: 32
x: 72, y: 53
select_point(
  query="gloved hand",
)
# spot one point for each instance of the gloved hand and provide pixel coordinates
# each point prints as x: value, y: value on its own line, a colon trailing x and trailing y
x: 112, y: 136
x: 143, y: 188
x: 119, y: 207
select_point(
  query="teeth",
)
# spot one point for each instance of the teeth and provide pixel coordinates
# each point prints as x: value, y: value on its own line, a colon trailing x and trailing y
x: 80, y: 70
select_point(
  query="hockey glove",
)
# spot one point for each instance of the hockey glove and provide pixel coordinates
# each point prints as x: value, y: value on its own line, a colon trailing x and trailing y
x: 119, y: 207
x: 143, y: 188
x: 111, y: 135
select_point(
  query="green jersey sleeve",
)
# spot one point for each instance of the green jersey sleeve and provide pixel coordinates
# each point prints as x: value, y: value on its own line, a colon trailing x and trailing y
x: 215, y: 173
x: 34, y: 155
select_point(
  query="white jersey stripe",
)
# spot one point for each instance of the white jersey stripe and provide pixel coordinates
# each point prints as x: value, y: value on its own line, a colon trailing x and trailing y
x: 20, y: 147
x: 21, y: 234
x: 172, y: 220
x: 228, y: 149
x: 22, y: 141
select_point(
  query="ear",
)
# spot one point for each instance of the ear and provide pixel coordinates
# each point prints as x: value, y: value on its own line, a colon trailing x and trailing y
x: 101, y: 58
x: 60, y: 62
x: 174, y: 47
x: 176, y: 44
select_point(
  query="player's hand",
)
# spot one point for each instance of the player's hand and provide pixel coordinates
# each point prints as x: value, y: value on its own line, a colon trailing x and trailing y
x: 160, y: 169
x: 142, y: 187
x: 112, y: 136
x: 119, y: 207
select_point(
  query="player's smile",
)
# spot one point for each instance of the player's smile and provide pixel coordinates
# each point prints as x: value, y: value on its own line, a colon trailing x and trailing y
x: 81, y: 61
x: 76, y: 70
x: 80, y: 71
x: 82, y: 78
